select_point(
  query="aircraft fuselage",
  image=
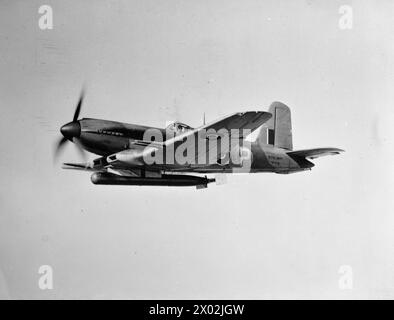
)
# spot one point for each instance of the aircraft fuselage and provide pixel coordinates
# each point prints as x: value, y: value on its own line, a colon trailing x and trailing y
x: 104, y: 137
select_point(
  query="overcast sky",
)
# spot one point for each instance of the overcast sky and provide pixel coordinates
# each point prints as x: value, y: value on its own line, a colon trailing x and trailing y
x: 147, y: 62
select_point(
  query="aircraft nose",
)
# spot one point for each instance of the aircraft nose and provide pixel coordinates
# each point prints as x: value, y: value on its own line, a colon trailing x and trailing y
x: 71, y: 130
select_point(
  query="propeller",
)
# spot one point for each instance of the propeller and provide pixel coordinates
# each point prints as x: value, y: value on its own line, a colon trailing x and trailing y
x: 71, y: 130
x: 78, y: 108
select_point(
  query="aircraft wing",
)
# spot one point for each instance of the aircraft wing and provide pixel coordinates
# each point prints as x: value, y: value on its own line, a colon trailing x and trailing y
x: 78, y: 166
x: 99, y: 166
x: 249, y: 120
x: 315, y: 153
x: 241, y: 120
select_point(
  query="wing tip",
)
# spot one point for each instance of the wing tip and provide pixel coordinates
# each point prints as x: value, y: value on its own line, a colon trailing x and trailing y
x: 337, y: 150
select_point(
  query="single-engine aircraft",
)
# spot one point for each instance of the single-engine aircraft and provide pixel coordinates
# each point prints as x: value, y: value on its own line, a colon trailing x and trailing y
x: 130, y: 156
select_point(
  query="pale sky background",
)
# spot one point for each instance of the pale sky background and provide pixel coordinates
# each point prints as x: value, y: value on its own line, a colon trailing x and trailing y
x: 259, y: 236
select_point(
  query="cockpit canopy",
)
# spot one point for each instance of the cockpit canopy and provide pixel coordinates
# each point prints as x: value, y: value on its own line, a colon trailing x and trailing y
x: 179, y: 127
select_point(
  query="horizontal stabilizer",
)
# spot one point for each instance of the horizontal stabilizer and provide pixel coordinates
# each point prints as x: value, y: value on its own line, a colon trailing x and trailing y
x: 314, y: 153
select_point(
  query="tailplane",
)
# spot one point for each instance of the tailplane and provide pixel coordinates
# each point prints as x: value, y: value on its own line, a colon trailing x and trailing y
x: 277, y: 130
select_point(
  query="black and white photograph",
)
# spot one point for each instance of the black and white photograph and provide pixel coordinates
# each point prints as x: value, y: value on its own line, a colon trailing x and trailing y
x: 173, y: 150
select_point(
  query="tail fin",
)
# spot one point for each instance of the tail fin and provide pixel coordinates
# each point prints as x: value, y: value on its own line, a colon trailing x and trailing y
x: 277, y: 130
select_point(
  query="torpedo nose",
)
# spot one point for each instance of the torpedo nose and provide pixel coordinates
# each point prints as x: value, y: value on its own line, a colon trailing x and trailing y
x: 71, y: 130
